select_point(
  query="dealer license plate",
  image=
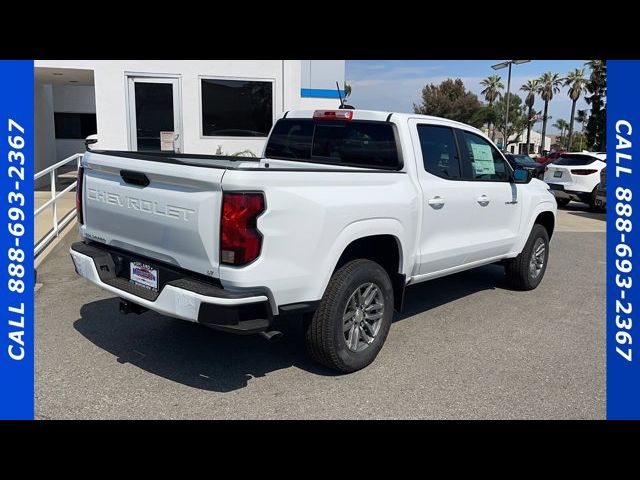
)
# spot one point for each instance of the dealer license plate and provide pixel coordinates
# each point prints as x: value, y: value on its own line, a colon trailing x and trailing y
x: 143, y: 274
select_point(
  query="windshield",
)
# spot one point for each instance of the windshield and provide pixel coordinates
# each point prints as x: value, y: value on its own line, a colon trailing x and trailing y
x: 350, y: 143
x: 575, y: 160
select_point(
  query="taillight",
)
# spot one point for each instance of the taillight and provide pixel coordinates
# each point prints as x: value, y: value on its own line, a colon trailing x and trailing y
x: 333, y: 115
x: 583, y: 171
x: 240, y: 240
x: 79, y: 183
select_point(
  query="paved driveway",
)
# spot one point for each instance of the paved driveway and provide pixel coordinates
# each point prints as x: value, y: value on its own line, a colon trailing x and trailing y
x: 466, y: 347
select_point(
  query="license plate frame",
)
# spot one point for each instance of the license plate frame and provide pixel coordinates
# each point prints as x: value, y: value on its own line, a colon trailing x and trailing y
x: 144, y: 275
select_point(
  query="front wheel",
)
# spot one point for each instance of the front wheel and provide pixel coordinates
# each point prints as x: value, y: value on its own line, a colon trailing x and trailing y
x: 353, y: 319
x: 562, y: 202
x: 525, y: 272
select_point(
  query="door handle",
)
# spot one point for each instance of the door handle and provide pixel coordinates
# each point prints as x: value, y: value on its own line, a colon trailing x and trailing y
x: 436, y: 202
x: 483, y: 200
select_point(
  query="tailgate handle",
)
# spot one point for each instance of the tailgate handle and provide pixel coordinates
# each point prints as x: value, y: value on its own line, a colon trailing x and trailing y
x: 134, y: 178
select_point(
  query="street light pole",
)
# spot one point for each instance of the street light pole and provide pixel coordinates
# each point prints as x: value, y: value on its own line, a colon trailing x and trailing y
x: 506, y: 114
x: 499, y: 66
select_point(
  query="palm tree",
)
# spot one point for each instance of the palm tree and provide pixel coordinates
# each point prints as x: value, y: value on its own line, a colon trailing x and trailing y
x: 492, y: 86
x: 531, y: 87
x: 561, y: 125
x: 576, y: 82
x: 549, y: 85
x: 596, y: 86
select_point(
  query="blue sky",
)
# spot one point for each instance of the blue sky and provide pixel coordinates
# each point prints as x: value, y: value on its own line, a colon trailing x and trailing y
x: 395, y: 85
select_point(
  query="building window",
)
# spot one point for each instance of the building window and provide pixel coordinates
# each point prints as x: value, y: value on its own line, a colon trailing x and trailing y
x: 236, y: 108
x: 75, y: 126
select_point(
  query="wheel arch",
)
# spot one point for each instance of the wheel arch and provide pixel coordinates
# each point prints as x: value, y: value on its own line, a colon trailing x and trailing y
x: 548, y: 220
x: 544, y: 214
x: 367, y: 239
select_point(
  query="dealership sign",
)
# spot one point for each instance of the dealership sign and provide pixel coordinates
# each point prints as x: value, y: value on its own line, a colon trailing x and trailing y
x: 623, y: 283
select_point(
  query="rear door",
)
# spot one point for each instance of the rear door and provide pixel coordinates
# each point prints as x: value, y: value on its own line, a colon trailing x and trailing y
x: 174, y: 218
x: 445, y: 238
x: 496, y: 208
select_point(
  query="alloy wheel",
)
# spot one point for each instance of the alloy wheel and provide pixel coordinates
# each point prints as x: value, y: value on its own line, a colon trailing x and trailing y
x: 362, y: 316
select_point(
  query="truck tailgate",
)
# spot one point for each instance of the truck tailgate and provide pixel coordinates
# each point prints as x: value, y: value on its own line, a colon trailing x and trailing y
x: 175, y: 218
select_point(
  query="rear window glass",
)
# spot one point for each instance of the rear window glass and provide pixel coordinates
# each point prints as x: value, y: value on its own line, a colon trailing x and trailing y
x: 355, y: 143
x: 573, y: 160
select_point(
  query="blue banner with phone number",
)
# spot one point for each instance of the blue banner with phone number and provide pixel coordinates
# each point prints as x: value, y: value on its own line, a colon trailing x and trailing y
x: 623, y: 240
x: 16, y: 240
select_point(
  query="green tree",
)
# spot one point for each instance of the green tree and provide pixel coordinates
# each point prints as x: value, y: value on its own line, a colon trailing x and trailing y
x: 450, y: 99
x: 577, y: 142
x: 576, y: 82
x: 582, y: 118
x: 492, y: 86
x: 531, y: 87
x: 517, y: 118
x: 549, y: 85
x: 561, y: 125
x: 595, y: 131
x: 347, y: 91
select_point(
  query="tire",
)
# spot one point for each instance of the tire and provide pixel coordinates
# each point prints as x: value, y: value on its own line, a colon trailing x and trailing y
x: 562, y: 202
x: 520, y: 272
x: 592, y: 200
x: 326, y: 337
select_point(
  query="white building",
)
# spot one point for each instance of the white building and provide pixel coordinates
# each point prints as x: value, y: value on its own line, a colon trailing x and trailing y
x: 518, y: 144
x: 211, y: 106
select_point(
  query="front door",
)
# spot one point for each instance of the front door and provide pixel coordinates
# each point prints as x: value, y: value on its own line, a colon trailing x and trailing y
x: 154, y: 107
x: 497, y: 208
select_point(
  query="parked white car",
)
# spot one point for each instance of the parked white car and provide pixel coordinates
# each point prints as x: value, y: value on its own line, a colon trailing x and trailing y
x: 344, y: 210
x: 576, y: 176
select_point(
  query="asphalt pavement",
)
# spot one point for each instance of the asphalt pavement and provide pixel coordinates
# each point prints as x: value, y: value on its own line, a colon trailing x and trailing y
x: 466, y: 347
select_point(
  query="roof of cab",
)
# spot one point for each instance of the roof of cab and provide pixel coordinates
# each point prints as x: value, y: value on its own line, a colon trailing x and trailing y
x: 382, y: 116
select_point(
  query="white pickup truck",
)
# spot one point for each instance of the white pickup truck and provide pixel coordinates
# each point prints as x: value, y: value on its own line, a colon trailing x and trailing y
x: 344, y: 210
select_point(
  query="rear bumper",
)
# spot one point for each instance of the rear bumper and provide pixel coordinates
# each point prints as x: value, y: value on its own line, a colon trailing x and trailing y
x: 561, y: 191
x: 183, y: 296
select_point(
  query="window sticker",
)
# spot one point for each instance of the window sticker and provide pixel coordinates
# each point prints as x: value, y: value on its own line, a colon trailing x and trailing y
x: 482, y: 159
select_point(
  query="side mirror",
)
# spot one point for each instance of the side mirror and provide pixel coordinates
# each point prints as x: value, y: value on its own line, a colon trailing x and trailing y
x: 90, y: 140
x: 520, y: 175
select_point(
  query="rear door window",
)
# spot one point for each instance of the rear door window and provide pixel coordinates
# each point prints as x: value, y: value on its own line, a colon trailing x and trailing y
x: 353, y: 143
x: 439, y: 151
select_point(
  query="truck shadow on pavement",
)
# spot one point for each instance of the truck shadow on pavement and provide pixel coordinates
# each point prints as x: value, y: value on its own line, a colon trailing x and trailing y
x: 205, y: 359
x: 425, y: 296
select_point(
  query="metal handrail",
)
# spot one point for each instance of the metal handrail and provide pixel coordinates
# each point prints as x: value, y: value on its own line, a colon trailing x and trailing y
x: 56, y: 166
x: 57, y: 226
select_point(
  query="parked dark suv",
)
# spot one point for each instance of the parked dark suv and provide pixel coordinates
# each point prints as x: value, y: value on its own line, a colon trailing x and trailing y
x: 526, y: 162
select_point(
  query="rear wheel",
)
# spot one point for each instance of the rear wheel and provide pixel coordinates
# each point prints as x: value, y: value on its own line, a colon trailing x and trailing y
x: 352, y: 321
x: 592, y: 200
x: 525, y: 272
